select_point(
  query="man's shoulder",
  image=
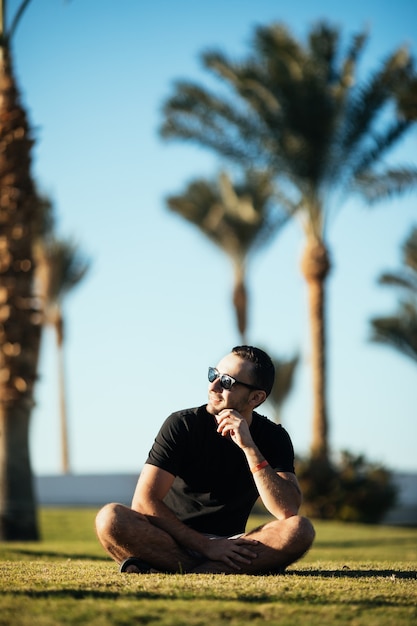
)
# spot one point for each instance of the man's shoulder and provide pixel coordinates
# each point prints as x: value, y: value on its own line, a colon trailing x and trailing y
x: 191, y: 412
x: 188, y: 416
x: 263, y: 424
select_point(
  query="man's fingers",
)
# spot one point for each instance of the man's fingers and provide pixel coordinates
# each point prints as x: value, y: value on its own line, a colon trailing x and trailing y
x: 243, y: 554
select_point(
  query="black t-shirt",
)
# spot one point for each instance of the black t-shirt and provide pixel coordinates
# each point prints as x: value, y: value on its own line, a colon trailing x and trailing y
x: 214, y: 490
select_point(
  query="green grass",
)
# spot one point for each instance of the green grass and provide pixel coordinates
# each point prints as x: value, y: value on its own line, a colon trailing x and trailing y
x: 354, y: 575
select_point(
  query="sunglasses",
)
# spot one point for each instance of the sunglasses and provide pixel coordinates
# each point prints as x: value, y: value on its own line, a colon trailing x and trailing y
x: 226, y: 381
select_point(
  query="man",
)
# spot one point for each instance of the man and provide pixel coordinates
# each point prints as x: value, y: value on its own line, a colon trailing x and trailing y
x: 206, y: 469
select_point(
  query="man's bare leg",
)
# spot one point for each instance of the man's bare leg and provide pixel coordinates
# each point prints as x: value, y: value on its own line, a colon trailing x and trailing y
x: 124, y: 533
x: 281, y: 542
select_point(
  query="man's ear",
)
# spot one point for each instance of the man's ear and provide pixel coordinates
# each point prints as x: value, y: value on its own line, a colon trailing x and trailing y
x: 257, y: 398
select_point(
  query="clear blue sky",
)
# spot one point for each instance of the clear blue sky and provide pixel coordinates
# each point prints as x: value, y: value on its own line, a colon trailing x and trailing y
x: 155, y: 309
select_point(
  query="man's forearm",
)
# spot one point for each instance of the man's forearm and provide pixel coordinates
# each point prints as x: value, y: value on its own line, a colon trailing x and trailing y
x: 281, y: 496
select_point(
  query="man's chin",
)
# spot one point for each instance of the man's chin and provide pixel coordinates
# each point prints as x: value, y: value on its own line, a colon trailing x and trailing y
x: 214, y: 407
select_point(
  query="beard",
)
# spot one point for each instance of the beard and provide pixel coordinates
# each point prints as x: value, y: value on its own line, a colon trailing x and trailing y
x: 217, y: 403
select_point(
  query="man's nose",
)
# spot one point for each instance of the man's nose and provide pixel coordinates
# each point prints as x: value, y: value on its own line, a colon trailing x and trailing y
x: 216, y: 384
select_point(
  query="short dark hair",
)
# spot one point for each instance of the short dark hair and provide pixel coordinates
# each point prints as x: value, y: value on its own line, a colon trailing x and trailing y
x: 263, y: 367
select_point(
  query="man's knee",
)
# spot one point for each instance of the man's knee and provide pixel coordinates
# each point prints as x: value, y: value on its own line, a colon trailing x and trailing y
x: 306, y: 530
x: 108, y: 519
x: 299, y: 531
x: 298, y: 536
x: 115, y: 519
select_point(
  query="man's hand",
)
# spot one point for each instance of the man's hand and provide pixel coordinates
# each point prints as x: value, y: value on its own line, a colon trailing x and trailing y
x: 232, y: 552
x: 231, y: 423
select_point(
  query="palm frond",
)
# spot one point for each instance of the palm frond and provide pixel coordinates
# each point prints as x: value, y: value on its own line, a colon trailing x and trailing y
x: 59, y: 268
x: 275, y: 49
x: 368, y: 99
x: 18, y: 16
x: 398, y: 331
x: 410, y: 251
x: 350, y: 62
x: 405, y: 281
x: 284, y: 379
x: 46, y: 222
x: 378, y: 143
x: 195, y: 114
x: 281, y: 114
x: 234, y: 217
x: 379, y: 186
x: 407, y: 99
x: 323, y: 43
x: 300, y: 112
x: 246, y: 80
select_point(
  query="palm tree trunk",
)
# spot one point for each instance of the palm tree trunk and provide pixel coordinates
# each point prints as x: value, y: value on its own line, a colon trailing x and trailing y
x: 65, y: 463
x: 18, y: 518
x: 315, y: 267
x: 20, y: 322
x: 240, y: 299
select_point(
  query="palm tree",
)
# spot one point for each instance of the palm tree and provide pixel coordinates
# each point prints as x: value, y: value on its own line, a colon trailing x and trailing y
x: 300, y: 113
x: 59, y: 268
x: 237, y: 219
x: 19, y: 317
x: 400, y: 330
x: 284, y: 379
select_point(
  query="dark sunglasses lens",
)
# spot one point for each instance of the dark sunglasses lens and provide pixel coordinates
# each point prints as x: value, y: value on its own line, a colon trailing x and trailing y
x: 226, y: 382
x: 212, y: 374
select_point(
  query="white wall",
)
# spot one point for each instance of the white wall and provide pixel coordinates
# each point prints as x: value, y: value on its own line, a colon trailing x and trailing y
x: 85, y: 490
x: 96, y: 490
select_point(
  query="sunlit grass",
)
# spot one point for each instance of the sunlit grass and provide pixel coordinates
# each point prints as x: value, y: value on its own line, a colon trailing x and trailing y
x: 353, y: 575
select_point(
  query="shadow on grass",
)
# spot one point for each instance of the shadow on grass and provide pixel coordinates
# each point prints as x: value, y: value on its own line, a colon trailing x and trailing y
x: 58, y: 555
x: 357, y: 543
x: 140, y: 594
x: 356, y: 573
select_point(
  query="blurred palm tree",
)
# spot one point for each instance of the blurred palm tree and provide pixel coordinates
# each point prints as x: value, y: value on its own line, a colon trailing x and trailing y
x: 400, y: 330
x: 19, y: 318
x: 284, y: 380
x: 59, y: 268
x: 300, y: 113
x: 237, y: 218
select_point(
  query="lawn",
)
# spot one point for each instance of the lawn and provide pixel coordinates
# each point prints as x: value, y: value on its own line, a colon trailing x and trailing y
x: 357, y: 575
